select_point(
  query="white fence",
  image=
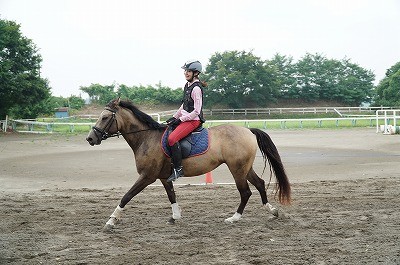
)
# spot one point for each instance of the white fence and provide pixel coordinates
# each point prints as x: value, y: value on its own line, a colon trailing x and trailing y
x: 44, y: 125
x: 49, y: 127
x: 342, y: 111
x: 313, y: 110
x: 389, y: 125
x: 319, y: 122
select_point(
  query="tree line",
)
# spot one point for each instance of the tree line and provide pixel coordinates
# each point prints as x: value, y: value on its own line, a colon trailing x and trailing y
x: 238, y: 79
x: 235, y: 79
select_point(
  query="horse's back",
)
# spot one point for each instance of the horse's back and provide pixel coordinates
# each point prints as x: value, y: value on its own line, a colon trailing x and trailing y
x: 233, y: 140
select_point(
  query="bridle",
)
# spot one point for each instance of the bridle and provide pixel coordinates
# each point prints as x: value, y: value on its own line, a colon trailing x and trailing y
x: 104, y: 134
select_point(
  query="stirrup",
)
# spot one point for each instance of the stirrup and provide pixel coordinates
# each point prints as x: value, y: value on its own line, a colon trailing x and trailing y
x: 177, y: 173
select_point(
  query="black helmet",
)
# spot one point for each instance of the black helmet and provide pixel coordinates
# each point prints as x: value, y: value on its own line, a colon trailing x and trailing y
x: 192, y: 65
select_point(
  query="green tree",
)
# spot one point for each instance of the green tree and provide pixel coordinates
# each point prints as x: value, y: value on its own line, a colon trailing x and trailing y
x: 239, y: 79
x: 58, y: 102
x: 354, y: 84
x: 23, y: 93
x: 319, y: 78
x: 155, y: 95
x: 285, y: 75
x: 166, y: 95
x: 99, y: 93
x: 75, y: 102
x: 387, y: 93
x: 310, y: 76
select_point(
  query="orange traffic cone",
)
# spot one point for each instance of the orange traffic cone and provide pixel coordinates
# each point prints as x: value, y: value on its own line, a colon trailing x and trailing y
x: 209, y: 179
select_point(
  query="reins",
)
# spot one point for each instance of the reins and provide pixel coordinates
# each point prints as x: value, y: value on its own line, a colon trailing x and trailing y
x: 117, y: 134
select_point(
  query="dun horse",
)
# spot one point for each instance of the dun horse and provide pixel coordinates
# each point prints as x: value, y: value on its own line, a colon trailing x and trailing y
x: 233, y: 145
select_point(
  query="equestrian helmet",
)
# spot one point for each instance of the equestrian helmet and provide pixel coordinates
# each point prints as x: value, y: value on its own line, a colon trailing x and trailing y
x: 192, y: 65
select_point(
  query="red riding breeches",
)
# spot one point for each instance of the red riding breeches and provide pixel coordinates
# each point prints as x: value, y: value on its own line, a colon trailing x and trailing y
x: 182, y: 131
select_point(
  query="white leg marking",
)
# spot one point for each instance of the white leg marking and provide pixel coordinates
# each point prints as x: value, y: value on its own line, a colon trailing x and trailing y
x: 176, y: 211
x: 271, y: 209
x: 115, y: 217
x: 233, y: 219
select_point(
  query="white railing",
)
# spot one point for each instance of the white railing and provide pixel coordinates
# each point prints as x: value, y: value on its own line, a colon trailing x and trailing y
x: 388, y: 116
x: 49, y: 123
x: 269, y: 111
x: 266, y: 123
x: 283, y: 122
x: 31, y: 124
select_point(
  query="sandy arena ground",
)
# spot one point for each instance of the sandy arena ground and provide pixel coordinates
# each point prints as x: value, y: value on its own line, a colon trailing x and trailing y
x: 56, y: 193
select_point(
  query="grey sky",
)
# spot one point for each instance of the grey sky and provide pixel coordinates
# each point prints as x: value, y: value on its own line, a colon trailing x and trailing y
x: 144, y: 42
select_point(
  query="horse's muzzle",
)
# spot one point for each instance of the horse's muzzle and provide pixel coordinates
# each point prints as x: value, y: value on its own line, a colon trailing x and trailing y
x: 93, y: 139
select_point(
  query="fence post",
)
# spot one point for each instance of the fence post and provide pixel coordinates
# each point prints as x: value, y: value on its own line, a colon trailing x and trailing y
x: 6, y: 124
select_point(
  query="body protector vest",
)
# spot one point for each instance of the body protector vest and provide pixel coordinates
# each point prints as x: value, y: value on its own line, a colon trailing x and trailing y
x: 188, y: 102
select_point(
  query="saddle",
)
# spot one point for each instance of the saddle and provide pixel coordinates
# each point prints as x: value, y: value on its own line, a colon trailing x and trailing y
x: 196, y: 143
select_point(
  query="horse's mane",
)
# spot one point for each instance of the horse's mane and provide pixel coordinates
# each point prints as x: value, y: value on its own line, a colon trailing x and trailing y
x: 140, y: 115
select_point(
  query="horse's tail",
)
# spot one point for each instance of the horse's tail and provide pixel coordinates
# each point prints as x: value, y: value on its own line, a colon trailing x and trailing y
x: 270, y: 153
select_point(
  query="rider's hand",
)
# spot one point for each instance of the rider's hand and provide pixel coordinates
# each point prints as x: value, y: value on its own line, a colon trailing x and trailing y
x: 176, y: 122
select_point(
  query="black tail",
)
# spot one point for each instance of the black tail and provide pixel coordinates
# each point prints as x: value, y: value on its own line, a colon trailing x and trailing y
x: 270, y: 153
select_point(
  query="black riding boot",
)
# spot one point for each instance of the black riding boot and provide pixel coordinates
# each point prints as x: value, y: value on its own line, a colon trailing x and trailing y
x: 176, y: 156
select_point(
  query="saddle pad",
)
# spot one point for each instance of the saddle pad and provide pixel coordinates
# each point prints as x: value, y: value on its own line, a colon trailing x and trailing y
x: 199, y: 140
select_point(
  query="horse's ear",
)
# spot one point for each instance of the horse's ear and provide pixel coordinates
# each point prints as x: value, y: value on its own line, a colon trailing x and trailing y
x: 115, y: 102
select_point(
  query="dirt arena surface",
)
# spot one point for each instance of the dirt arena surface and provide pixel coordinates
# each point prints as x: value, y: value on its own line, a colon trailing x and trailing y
x: 56, y: 193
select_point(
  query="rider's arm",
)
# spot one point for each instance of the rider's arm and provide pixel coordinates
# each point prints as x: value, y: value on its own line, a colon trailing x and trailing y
x: 178, y: 113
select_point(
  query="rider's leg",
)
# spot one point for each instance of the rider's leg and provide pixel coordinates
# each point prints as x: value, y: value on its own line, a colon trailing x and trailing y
x: 180, y: 132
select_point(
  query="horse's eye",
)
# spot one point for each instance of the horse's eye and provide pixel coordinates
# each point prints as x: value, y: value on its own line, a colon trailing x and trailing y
x: 104, y: 118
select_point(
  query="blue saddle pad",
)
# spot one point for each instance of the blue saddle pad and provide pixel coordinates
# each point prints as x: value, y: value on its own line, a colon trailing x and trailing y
x: 196, y: 143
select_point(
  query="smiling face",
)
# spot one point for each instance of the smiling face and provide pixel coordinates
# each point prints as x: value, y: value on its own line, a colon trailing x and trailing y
x: 189, y: 74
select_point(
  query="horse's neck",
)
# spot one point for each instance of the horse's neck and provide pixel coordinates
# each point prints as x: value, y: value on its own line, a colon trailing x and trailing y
x: 141, y: 142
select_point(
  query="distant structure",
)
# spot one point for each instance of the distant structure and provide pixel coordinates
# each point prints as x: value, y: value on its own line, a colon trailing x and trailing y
x: 61, y: 112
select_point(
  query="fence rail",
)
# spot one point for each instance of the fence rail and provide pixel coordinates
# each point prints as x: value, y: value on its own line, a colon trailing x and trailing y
x: 390, y: 118
x: 269, y: 111
x: 48, y: 125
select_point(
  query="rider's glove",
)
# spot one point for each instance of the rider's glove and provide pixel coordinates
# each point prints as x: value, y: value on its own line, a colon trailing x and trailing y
x: 176, y: 122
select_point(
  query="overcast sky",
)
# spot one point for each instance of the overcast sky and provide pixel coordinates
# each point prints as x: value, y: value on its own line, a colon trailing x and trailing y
x: 145, y: 42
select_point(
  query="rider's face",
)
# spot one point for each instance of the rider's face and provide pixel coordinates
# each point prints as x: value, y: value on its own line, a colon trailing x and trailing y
x: 188, y: 75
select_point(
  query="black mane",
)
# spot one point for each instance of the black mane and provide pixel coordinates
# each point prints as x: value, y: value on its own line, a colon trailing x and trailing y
x: 140, y: 115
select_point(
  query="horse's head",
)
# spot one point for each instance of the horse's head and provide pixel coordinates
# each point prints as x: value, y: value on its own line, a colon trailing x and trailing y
x: 106, y: 125
x: 121, y: 117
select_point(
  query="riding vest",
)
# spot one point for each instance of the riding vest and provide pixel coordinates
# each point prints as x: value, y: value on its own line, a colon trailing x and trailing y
x: 188, y: 102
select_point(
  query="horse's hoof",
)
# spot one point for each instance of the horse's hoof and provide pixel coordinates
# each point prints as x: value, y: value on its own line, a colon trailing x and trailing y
x: 108, y: 228
x: 171, y: 221
x: 275, y: 212
x: 228, y: 221
x: 236, y: 217
x: 272, y: 209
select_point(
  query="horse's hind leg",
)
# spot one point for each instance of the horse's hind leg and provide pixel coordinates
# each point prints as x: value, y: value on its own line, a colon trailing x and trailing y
x: 245, y: 194
x: 176, y: 210
x: 259, y: 183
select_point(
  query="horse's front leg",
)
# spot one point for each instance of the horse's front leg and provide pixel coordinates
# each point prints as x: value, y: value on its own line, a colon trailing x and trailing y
x: 176, y: 210
x: 116, y: 216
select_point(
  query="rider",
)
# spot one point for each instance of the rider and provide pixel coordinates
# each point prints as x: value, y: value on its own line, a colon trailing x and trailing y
x: 188, y: 117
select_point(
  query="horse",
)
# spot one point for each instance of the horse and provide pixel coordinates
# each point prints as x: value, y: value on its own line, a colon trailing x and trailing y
x: 233, y: 145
